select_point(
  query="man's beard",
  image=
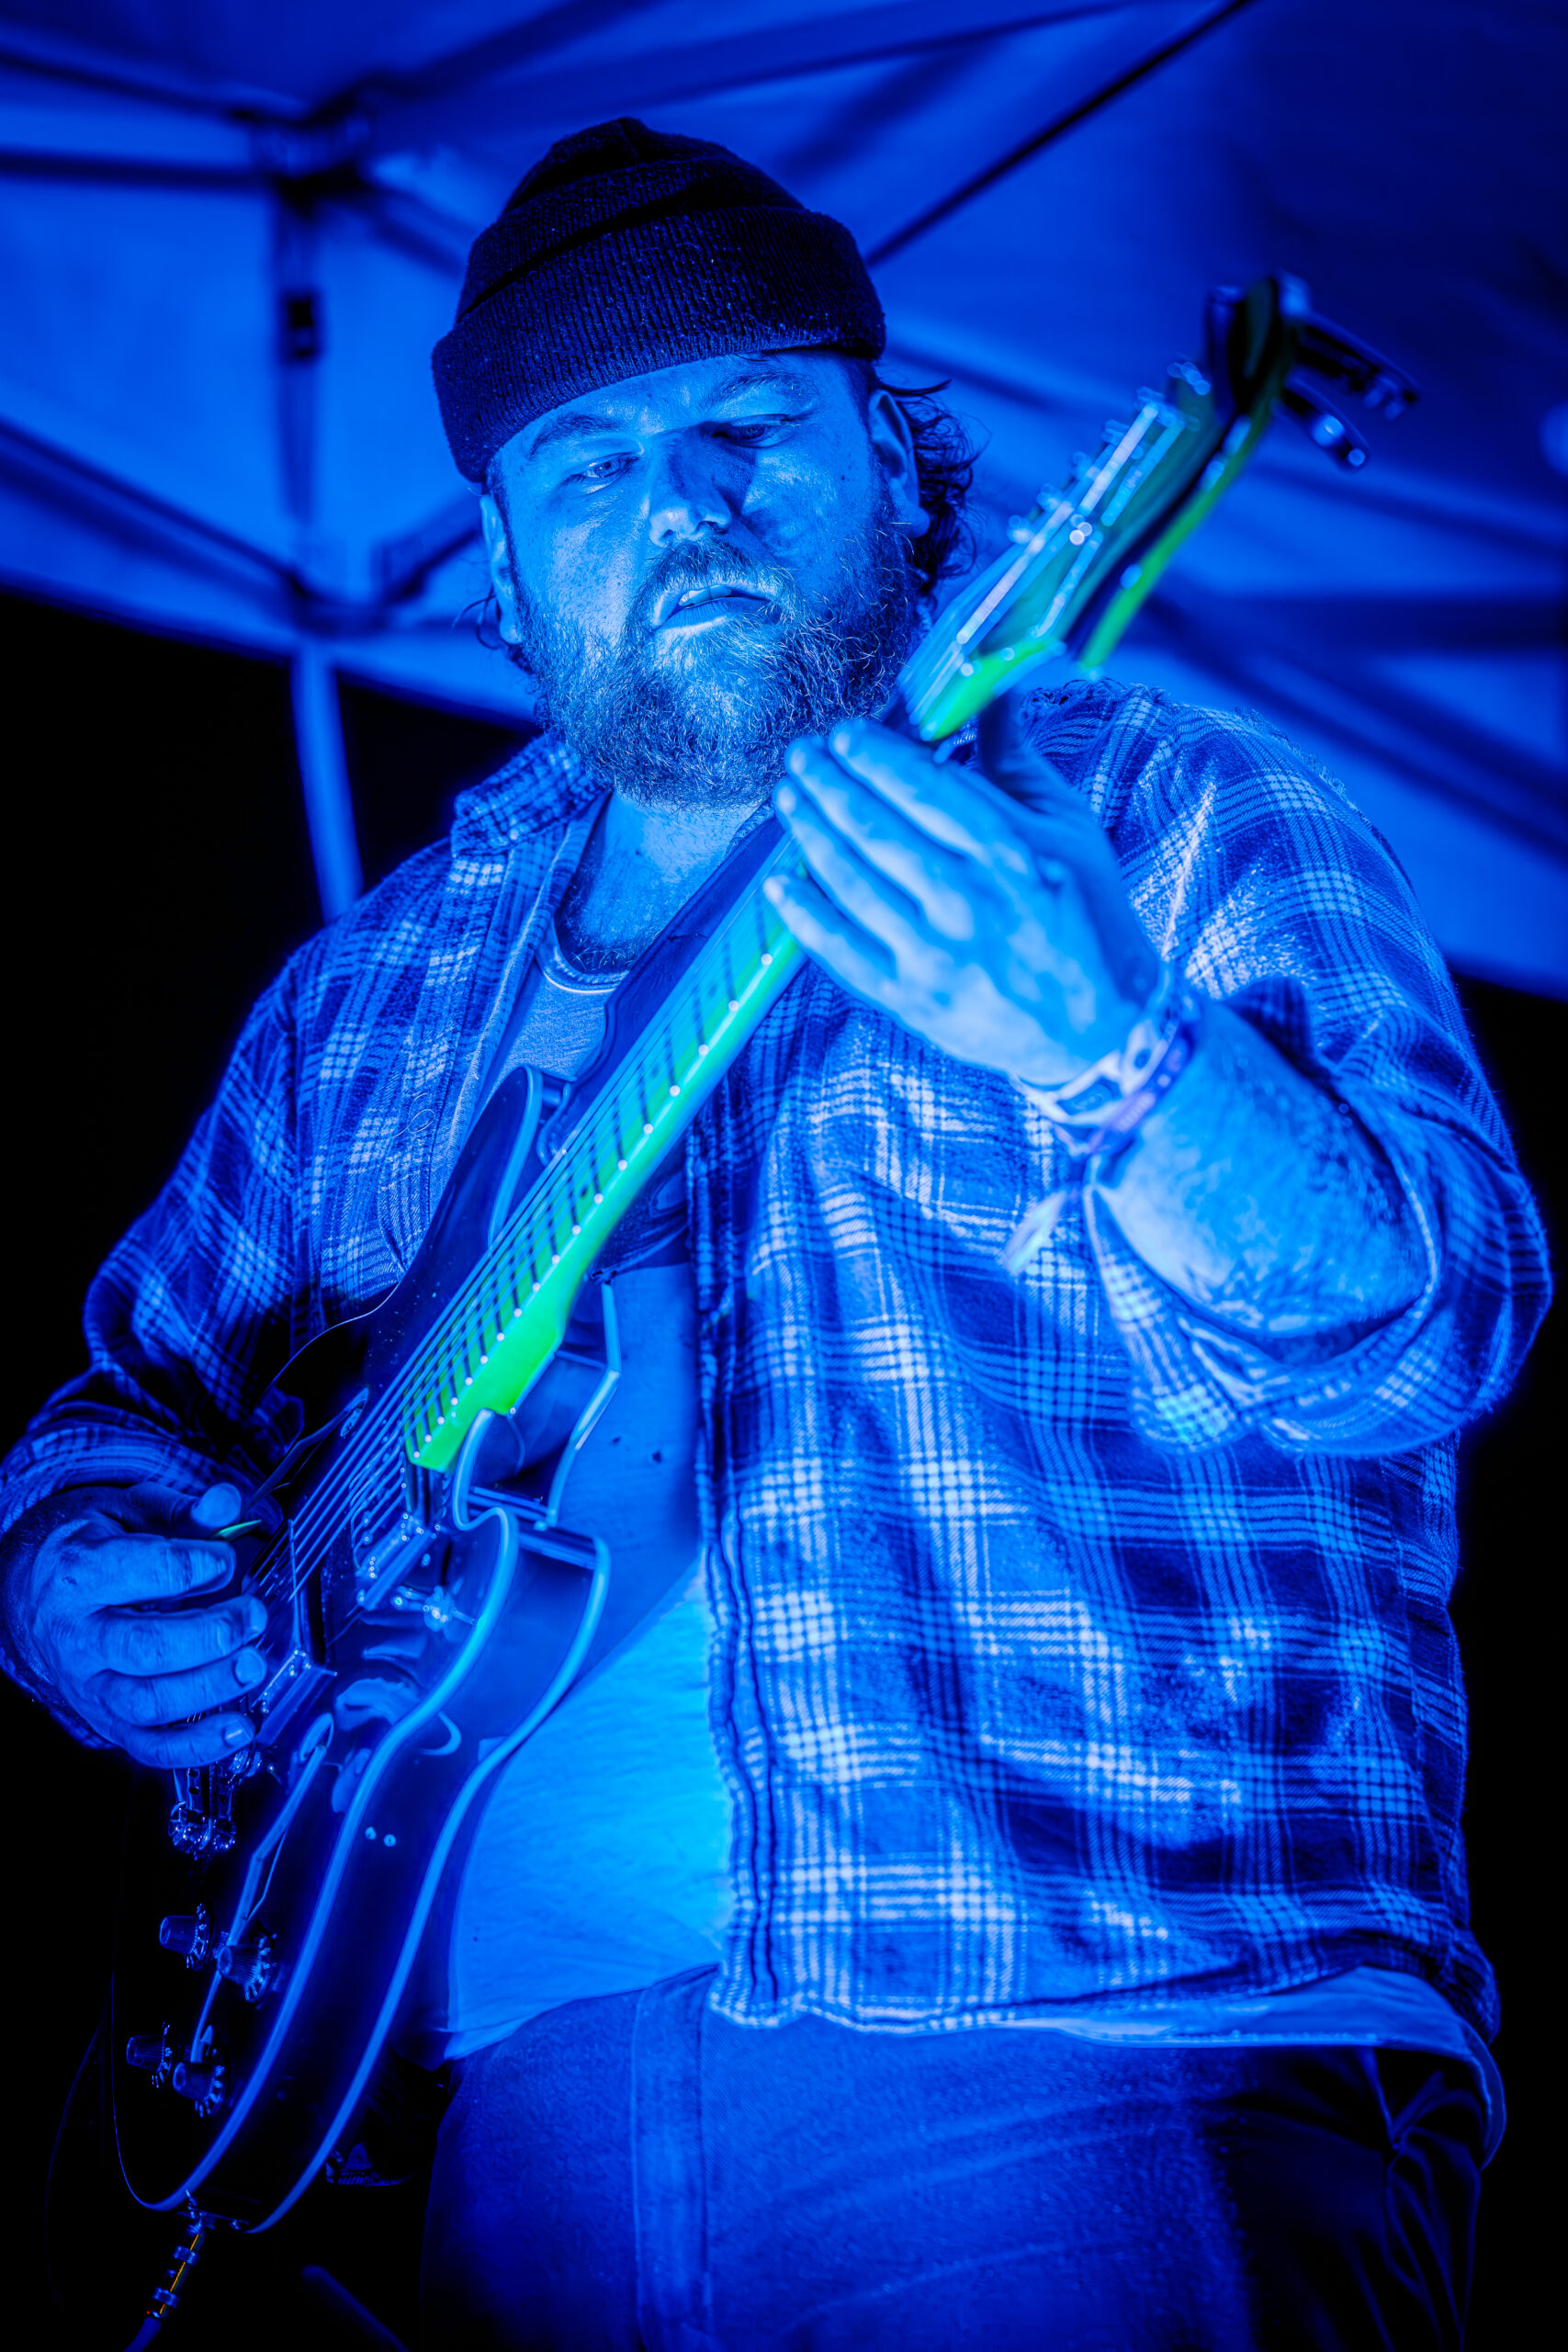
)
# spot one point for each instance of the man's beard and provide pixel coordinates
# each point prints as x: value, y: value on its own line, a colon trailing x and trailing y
x: 709, y: 724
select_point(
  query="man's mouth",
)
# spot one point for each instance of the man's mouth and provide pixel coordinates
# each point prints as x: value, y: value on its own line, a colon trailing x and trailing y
x: 710, y: 600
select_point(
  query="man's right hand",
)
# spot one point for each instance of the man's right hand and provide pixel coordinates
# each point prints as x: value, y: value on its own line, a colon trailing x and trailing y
x: 95, y: 1607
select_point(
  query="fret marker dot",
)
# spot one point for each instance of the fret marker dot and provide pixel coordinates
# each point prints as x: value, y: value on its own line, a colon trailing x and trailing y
x: 536, y: 1286
x: 517, y: 1310
x: 767, y: 959
x: 648, y: 1126
x: 674, y: 1089
x: 702, y: 1049
x: 468, y: 1380
x: 598, y: 1200
x: 620, y: 1163
x: 735, y: 1004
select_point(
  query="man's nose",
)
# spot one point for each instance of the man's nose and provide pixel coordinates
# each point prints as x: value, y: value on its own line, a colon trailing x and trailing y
x: 687, y: 496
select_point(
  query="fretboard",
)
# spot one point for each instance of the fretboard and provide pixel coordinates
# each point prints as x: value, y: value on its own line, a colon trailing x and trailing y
x: 507, y: 1321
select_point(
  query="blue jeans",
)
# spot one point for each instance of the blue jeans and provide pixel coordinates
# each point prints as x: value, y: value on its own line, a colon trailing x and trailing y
x: 636, y: 2175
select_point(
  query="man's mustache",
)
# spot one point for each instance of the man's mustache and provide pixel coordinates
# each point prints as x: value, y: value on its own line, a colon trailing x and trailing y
x: 707, y: 565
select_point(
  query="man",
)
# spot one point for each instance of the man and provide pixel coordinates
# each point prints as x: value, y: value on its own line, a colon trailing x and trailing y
x: 1012, y: 1892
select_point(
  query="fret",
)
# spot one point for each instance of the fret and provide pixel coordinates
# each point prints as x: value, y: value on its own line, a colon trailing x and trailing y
x: 524, y: 1284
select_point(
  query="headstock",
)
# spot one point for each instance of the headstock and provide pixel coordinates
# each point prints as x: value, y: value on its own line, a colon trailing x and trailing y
x: 1085, y: 557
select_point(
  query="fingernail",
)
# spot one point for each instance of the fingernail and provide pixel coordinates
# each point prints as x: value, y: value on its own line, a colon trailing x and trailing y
x: 237, y: 1735
x: 786, y: 799
x: 255, y: 1618
x: 772, y: 890
x: 249, y: 1669
x: 843, y: 739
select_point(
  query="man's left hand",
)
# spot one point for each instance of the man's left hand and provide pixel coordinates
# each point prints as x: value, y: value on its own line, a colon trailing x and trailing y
x: 999, y: 931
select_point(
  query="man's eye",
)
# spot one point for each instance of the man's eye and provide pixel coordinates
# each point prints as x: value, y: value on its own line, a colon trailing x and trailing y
x: 602, y: 470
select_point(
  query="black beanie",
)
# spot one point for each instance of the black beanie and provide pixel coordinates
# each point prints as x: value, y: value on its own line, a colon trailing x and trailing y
x: 626, y: 249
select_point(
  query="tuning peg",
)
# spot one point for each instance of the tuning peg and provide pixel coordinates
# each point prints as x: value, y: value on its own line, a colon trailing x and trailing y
x: 1344, y: 359
x: 1324, y: 424
x: 1182, y: 371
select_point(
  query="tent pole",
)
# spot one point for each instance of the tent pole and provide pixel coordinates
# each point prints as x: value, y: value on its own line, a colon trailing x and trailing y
x: 323, y: 773
x: 1067, y: 121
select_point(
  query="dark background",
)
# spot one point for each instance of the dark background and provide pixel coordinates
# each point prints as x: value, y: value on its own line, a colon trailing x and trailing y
x: 157, y: 874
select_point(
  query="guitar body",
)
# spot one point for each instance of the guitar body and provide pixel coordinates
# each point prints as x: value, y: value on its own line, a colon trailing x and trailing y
x: 409, y: 1655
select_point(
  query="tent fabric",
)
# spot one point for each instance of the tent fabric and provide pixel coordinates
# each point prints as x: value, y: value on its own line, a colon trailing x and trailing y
x: 231, y: 235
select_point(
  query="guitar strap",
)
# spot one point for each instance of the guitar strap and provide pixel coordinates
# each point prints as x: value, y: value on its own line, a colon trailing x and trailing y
x: 657, y: 970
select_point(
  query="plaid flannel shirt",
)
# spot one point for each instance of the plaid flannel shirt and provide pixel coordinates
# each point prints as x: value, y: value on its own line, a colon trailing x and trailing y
x: 1070, y: 1648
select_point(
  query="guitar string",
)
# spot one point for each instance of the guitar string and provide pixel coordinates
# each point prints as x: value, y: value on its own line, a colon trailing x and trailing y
x: 364, y: 1461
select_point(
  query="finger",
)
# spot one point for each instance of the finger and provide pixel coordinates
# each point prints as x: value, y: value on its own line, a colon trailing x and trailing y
x: 861, y: 963
x: 998, y: 736
x: 219, y: 1505
x: 940, y: 884
x: 1009, y: 761
x: 129, y: 1568
x: 875, y: 909
x: 939, y: 799
x: 137, y: 1641
x: 876, y: 906
x: 160, y: 1503
x: 154, y: 1702
x: 211, y: 1741
x: 1006, y: 757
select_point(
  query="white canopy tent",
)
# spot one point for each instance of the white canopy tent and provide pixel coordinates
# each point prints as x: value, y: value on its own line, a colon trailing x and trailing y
x: 232, y: 232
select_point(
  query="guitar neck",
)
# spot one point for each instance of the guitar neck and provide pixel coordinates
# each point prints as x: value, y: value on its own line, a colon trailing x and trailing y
x: 504, y: 1328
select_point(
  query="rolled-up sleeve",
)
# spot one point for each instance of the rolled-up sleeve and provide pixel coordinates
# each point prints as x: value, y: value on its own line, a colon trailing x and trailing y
x: 1257, y: 877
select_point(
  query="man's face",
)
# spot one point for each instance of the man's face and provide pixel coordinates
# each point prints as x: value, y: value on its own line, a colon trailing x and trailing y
x: 699, y: 564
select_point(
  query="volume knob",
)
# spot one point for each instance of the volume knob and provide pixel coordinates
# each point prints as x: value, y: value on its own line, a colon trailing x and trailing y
x: 204, y: 2082
x: 189, y: 1933
x: 252, y: 1965
x: 153, y: 2053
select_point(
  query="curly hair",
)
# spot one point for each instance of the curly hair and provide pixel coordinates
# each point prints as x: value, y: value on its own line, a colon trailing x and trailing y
x: 945, y: 458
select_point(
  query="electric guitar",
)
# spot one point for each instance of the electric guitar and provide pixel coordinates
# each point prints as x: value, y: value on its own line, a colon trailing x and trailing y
x: 429, y: 1596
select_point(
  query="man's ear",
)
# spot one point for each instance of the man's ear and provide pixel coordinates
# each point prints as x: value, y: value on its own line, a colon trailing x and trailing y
x: 893, y: 446
x: 502, y: 579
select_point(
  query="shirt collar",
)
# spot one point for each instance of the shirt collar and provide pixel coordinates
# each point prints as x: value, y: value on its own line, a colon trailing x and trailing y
x: 539, y: 788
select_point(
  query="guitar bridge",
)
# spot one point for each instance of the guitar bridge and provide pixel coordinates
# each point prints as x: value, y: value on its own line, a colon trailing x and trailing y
x: 292, y: 1684
x: 408, y: 1544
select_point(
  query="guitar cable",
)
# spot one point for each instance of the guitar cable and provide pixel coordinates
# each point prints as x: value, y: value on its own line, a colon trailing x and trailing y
x: 165, y: 2300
